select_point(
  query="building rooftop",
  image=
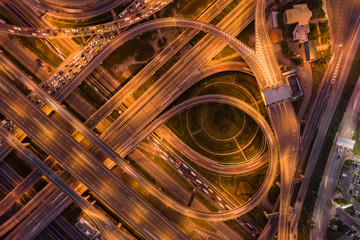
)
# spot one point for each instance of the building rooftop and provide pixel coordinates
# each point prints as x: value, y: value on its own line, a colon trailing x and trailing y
x: 344, y: 142
x: 300, y: 14
x: 276, y: 94
x: 310, y: 50
x: 87, y: 229
x: 295, y: 88
x: 274, y: 16
x: 301, y: 33
x: 275, y: 35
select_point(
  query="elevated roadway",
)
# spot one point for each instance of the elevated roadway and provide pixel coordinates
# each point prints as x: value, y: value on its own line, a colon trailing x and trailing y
x: 247, y: 53
x: 81, y: 164
x: 282, y: 116
x: 232, y: 168
x: 75, y: 9
x: 84, y: 31
x: 84, y: 204
x: 146, y: 72
x: 144, y: 182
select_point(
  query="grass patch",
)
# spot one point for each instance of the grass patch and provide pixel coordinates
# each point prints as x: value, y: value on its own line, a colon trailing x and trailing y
x: 243, y: 187
x: 4, y: 15
x: 244, y: 88
x: 138, y: 47
x: 247, y: 35
x: 348, y: 162
x: 256, y: 146
x: 229, y: 54
x: 215, y: 146
x: 336, y: 234
x: 356, y: 138
x: 42, y: 50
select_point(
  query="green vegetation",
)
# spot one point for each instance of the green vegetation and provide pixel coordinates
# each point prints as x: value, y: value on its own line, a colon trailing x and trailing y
x: 336, y: 234
x: 4, y: 15
x: 315, y: 6
x: 243, y: 187
x: 348, y: 162
x: 16, y: 163
x: 224, y: 122
x: 227, y: 54
x: 314, y: 33
x: 247, y: 35
x: 324, y: 32
x: 310, y: 198
x: 219, y: 121
x: 256, y: 146
x: 38, y: 47
x: 350, y: 211
x: 356, y: 138
x: 323, y: 35
x: 18, y: 64
x: 342, y: 201
x: 139, y: 47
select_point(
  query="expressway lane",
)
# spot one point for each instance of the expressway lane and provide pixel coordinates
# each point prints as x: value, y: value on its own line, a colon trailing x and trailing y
x: 287, y: 131
x: 149, y: 69
x: 83, y: 31
x: 84, y: 204
x: 81, y: 164
x: 171, y: 85
x: 209, y: 164
x: 247, y: 53
x: 132, y: 172
x: 282, y: 117
x: 75, y: 10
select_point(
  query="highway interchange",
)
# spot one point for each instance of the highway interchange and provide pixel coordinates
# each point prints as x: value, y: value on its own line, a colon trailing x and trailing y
x: 142, y: 118
x: 243, y: 50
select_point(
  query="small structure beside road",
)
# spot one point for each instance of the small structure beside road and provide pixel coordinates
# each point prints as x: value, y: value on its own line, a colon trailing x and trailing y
x: 87, y: 229
x: 344, y: 142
